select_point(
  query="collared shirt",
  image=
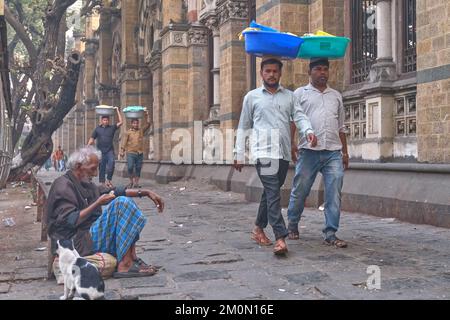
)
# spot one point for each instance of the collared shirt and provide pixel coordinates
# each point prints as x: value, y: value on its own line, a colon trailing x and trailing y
x: 269, y: 115
x: 104, y: 136
x: 133, y: 141
x: 326, y: 113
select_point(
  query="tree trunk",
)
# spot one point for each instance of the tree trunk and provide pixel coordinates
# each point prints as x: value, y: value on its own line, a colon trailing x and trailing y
x: 38, y: 145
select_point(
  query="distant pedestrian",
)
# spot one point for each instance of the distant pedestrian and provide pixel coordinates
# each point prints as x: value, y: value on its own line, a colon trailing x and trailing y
x: 59, y: 157
x: 133, y: 145
x: 104, y: 134
x: 48, y: 164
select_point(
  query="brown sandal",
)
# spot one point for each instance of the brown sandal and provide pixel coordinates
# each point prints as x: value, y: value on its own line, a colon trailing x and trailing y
x: 261, y: 238
x: 335, y: 241
x: 280, y: 247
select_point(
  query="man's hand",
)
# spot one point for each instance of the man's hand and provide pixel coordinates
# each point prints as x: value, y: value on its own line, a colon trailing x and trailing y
x: 345, y: 160
x: 294, y: 153
x: 156, y: 199
x: 312, y: 139
x: 105, y: 199
x: 238, y: 165
x: 121, y: 155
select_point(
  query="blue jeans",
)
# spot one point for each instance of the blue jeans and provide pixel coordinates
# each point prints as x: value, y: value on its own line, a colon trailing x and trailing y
x: 272, y: 177
x: 106, y: 166
x: 309, y: 163
x: 134, y: 164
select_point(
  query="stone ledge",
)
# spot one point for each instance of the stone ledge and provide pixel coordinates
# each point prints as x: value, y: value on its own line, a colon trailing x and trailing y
x: 416, y: 194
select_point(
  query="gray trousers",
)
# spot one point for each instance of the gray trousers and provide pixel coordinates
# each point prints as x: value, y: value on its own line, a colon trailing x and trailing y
x: 272, y: 173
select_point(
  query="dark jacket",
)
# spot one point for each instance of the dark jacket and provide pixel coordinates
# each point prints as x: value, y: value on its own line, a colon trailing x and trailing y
x: 67, y: 197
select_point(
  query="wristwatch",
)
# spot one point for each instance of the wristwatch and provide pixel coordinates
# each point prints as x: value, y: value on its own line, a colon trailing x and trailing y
x: 139, y: 193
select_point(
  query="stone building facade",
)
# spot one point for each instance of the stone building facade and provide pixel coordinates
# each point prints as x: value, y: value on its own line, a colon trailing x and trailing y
x: 182, y: 59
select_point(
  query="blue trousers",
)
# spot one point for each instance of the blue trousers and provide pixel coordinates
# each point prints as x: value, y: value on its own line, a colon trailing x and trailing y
x: 106, y: 166
x: 329, y: 164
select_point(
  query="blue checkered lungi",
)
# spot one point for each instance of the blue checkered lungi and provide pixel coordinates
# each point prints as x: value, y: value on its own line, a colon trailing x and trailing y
x: 118, y: 228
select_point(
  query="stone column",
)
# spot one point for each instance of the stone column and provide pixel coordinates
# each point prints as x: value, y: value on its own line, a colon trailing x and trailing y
x: 212, y: 22
x: 90, y: 98
x: 65, y: 135
x: 233, y: 80
x: 145, y: 100
x: 197, y: 108
x: 80, y: 139
x: 384, y: 69
x: 71, y: 137
x: 379, y: 92
x: 156, y: 67
x: 105, y: 57
x: 174, y: 83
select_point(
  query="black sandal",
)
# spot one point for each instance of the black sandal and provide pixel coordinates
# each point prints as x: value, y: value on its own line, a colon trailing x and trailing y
x: 135, y: 271
x: 142, y: 263
x: 293, y: 235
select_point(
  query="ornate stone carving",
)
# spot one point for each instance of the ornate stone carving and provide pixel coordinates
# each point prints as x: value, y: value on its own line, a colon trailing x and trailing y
x: 108, y: 91
x: 174, y: 39
x: 232, y: 9
x: 155, y: 60
x: 197, y: 36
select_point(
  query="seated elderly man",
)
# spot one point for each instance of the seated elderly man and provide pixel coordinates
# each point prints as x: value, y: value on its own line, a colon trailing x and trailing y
x: 74, y: 211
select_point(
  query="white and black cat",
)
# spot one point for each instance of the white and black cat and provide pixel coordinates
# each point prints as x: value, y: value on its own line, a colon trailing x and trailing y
x: 80, y: 276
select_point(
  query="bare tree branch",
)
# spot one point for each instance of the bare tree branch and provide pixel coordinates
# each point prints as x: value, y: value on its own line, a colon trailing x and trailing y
x: 23, y: 35
x: 12, y: 46
x: 89, y: 6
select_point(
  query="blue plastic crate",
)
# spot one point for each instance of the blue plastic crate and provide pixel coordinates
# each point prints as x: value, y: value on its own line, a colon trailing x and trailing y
x: 283, y: 45
x: 323, y: 46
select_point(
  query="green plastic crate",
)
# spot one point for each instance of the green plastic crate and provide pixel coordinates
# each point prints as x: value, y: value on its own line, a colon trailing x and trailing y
x: 322, y: 46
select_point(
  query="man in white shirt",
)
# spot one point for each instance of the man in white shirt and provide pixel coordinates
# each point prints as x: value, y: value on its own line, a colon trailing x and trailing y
x: 323, y: 105
x: 268, y: 111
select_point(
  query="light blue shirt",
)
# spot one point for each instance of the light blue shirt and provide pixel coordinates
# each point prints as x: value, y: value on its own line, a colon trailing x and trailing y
x: 265, y: 118
x: 326, y: 113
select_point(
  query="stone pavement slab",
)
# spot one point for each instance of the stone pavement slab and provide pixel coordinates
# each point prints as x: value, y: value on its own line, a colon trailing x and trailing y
x: 202, y: 240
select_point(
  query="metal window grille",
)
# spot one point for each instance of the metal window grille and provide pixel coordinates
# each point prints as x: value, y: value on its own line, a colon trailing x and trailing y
x: 364, y: 38
x: 409, y: 35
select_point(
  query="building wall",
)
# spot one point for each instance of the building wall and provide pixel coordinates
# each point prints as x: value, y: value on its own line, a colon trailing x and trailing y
x: 433, y: 75
x: 160, y: 54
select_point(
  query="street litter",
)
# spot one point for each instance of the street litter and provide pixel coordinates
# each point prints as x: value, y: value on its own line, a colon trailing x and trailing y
x: 388, y: 219
x: 40, y: 249
x: 194, y: 204
x: 282, y: 290
x: 34, y: 204
x: 189, y: 242
x: 8, y: 222
x: 180, y: 225
x: 27, y: 207
x: 322, y: 207
x: 183, y: 188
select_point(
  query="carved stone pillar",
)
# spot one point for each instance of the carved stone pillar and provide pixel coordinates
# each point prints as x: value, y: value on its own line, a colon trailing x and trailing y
x: 233, y: 80
x: 197, y: 108
x: 154, y: 62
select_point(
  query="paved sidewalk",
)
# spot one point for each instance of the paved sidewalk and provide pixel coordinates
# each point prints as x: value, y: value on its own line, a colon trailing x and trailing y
x: 203, y: 242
